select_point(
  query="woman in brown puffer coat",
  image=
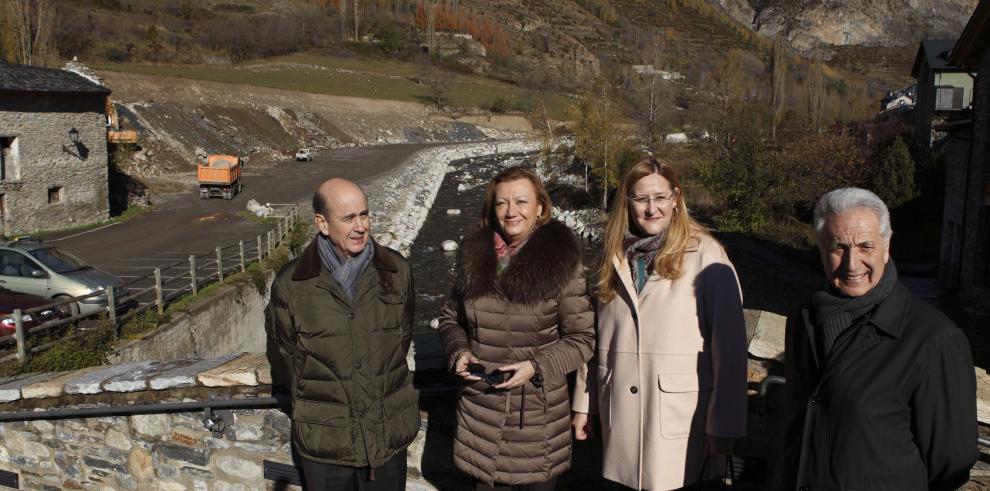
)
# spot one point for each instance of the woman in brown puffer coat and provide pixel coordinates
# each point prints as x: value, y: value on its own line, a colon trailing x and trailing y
x: 520, y: 308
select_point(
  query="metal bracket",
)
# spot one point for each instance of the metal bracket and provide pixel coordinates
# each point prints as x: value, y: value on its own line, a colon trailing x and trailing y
x: 217, y: 421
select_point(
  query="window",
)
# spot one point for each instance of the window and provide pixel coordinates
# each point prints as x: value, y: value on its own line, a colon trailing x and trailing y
x: 55, y: 195
x: 948, y: 98
x: 8, y: 155
x: 13, y: 263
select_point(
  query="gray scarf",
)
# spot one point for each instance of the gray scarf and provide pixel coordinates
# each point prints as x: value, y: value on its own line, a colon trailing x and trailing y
x: 641, y: 251
x: 832, y: 314
x: 347, y: 273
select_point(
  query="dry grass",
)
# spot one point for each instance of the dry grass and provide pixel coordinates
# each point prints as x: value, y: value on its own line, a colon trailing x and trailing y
x: 372, y: 79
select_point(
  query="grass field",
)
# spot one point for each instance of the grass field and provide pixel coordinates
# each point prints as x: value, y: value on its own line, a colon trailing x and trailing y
x: 373, y: 79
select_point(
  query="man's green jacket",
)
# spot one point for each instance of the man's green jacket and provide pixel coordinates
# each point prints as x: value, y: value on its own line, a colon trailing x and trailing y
x: 344, y: 360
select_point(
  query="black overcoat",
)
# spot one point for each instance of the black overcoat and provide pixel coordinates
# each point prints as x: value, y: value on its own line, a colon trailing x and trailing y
x: 892, y: 407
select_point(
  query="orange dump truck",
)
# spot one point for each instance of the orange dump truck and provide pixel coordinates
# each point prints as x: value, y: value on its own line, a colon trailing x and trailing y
x: 221, y: 176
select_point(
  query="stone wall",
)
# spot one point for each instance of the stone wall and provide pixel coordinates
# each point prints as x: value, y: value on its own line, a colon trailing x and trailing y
x: 44, y: 157
x: 231, y: 321
x: 164, y: 449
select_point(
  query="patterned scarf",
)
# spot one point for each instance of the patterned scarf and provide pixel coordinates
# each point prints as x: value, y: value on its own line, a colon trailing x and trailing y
x: 641, y: 251
x: 504, y: 251
x: 833, y: 313
x: 347, y: 273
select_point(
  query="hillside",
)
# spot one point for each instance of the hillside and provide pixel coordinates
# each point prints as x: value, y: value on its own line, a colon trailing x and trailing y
x: 884, y: 23
x: 265, y: 77
x: 544, y: 45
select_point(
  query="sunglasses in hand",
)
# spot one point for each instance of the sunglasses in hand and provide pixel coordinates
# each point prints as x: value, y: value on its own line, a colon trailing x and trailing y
x: 478, y: 370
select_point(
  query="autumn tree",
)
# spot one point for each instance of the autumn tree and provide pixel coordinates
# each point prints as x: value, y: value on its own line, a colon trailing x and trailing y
x: 601, y: 138
x: 814, y: 163
x: 734, y: 84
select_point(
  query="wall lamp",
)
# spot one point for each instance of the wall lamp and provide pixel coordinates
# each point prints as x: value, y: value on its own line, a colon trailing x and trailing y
x: 74, y: 148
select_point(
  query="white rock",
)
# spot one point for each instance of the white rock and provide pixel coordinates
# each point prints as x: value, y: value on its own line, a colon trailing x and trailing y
x: 449, y: 245
x: 150, y: 425
x: 768, y: 340
x: 117, y: 440
x: 461, y: 188
x: 241, y: 468
x: 453, y: 211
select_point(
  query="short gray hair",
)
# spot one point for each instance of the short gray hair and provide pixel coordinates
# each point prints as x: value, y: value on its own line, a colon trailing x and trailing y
x: 837, y: 201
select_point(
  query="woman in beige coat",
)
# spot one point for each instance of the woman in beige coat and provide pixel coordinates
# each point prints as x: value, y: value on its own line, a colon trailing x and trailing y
x: 519, y: 308
x: 668, y: 381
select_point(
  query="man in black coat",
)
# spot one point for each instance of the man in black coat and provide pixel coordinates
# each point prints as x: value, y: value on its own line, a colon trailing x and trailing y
x: 881, y: 388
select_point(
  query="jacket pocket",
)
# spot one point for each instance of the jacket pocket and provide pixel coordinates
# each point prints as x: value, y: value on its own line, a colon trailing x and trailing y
x: 392, y: 308
x: 319, y: 412
x: 683, y: 400
x: 322, y: 429
x: 402, y: 416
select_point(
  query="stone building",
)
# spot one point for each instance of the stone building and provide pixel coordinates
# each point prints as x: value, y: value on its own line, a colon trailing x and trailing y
x: 53, y: 149
x: 965, y: 253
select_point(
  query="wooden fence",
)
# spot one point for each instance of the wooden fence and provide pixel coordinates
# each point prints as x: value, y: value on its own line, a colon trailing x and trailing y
x: 155, y: 290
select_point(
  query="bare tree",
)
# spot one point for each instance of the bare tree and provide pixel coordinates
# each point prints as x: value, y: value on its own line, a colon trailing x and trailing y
x: 29, y: 27
x: 431, y: 21
x: 778, y: 96
x: 650, y: 90
x: 547, y: 141
x: 816, y: 92
x: 436, y: 82
x: 600, y: 136
x: 357, y: 19
x: 343, y: 19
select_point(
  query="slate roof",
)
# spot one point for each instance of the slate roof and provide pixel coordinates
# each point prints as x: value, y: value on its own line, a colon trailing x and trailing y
x: 935, y: 52
x: 25, y: 78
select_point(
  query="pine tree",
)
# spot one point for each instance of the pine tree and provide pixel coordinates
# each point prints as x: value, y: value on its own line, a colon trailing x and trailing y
x: 893, y: 180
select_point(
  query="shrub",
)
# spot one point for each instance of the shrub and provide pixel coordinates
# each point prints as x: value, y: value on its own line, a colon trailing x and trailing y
x: 893, y: 178
x: 500, y: 105
x: 737, y: 166
x: 90, y: 349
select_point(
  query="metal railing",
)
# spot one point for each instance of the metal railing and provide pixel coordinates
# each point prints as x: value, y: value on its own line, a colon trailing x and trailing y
x: 155, y: 290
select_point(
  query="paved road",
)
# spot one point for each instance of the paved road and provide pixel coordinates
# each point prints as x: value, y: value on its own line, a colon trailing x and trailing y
x: 183, y: 224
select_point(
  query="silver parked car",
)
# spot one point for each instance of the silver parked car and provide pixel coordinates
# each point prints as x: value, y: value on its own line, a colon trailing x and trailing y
x: 31, y: 266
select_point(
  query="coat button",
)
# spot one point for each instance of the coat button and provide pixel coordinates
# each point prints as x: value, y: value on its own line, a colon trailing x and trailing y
x: 350, y: 315
x: 814, y: 400
x: 633, y: 389
x: 804, y: 488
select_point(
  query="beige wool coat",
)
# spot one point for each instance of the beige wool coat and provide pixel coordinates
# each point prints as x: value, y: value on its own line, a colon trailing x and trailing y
x: 670, y: 367
x: 538, y: 309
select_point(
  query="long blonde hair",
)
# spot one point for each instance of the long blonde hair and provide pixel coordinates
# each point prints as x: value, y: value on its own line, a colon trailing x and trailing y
x: 682, y: 232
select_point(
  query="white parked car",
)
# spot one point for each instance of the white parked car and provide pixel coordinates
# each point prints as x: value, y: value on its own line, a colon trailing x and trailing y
x: 304, y: 154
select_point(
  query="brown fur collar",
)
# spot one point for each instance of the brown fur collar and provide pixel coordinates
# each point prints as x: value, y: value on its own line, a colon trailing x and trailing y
x: 540, y: 270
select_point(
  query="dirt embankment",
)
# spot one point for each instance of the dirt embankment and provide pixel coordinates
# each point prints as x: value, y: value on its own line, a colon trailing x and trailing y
x: 180, y: 121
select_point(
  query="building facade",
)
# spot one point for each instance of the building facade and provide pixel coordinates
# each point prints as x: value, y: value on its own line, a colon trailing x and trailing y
x: 965, y: 252
x: 53, y: 150
x: 944, y: 90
